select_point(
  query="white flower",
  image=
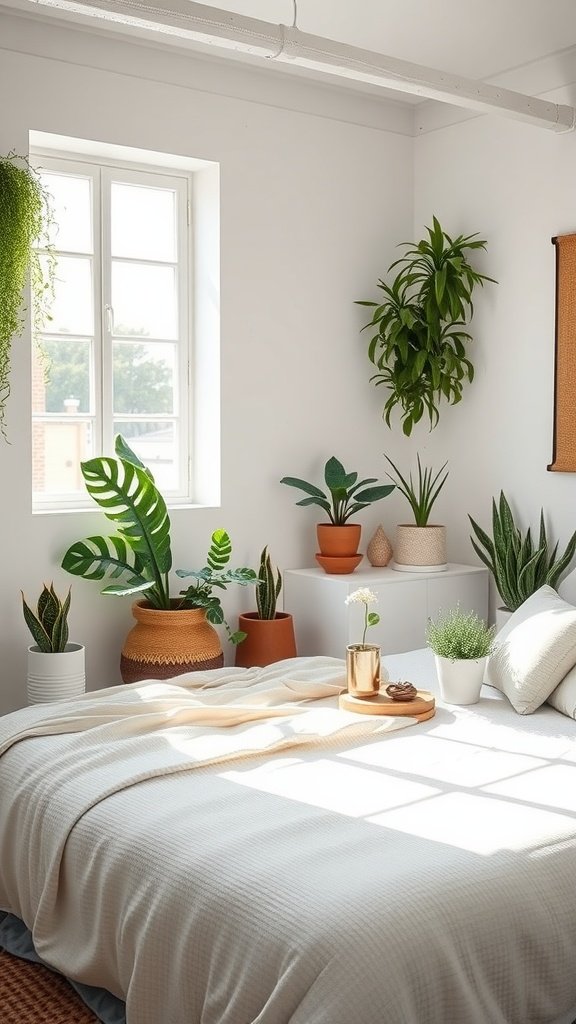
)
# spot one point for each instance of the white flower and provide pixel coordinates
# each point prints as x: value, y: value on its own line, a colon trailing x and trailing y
x: 361, y: 596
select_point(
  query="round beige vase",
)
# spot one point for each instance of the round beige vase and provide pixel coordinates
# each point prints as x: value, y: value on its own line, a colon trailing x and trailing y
x: 420, y: 548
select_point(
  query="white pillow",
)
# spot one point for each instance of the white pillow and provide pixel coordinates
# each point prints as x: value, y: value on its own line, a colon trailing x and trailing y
x: 534, y: 650
x: 563, y: 698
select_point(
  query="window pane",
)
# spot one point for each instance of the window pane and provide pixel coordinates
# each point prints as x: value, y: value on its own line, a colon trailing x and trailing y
x: 156, y: 445
x: 144, y: 301
x: 62, y: 376
x: 143, y: 222
x: 72, y: 311
x: 58, y: 447
x: 143, y: 377
x: 72, y: 204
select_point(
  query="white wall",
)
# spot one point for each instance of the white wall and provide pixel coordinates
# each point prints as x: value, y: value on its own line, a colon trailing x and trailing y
x: 312, y: 207
x: 515, y: 184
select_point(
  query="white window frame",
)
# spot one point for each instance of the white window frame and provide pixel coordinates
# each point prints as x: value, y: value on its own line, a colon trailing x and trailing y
x: 103, y: 171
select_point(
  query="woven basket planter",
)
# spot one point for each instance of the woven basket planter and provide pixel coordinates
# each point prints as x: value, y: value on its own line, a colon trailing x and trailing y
x: 420, y: 546
x: 166, y: 643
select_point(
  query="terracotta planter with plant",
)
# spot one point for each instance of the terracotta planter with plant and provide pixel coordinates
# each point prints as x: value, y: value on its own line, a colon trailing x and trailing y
x: 344, y: 496
x: 269, y: 634
x: 419, y: 343
x: 420, y: 545
x: 140, y: 555
x: 519, y: 566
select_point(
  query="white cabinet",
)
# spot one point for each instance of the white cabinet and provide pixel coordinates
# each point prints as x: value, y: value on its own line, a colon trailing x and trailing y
x: 325, y: 624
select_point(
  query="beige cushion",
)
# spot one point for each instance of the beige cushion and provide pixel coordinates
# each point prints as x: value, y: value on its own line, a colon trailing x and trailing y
x: 535, y: 650
x: 563, y: 698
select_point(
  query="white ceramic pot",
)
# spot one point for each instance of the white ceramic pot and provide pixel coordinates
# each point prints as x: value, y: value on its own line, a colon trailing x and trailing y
x: 55, y: 676
x: 502, y: 616
x: 460, y: 681
x: 420, y: 548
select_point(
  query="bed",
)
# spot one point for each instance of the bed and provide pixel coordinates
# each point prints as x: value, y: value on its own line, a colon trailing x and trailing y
x: 229, y: 848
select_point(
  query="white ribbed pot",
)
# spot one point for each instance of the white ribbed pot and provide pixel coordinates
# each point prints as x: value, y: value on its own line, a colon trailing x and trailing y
x: 460, y: 681
x: 420, y: 548
x: 55, y: 676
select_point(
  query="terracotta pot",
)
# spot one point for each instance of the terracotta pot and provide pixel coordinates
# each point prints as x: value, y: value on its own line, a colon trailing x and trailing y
x: 267, y: 640
x: 338, y: 541
x: 341, y: 566
x: 420, y: 547
x: 166, y: 643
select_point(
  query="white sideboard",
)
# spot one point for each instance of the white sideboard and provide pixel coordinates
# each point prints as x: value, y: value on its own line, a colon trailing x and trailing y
x: 325, y: 624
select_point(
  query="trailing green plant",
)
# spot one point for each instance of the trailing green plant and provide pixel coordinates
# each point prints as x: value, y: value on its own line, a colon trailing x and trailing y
x: 49, y: 623
x: 25, y: 216
x: 346, y: 495
x: 459, y: 635
x: 519, y: 566
x: 269, y: 587
x: 419, y: 343
x: 422, y: 494
x: 140, y: 552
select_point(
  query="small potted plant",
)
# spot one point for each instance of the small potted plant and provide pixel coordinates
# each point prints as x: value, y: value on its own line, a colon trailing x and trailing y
x: 363, y: 670
x: 420, y: 545
x: 519, y: 567
x: 172, y: 635
x: 55, y: 666
x: 462, y: 643
x: 269, y: 634
x: 343, y: 498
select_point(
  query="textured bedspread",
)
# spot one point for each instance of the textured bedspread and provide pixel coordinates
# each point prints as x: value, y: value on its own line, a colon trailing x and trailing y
x: 224, y: 853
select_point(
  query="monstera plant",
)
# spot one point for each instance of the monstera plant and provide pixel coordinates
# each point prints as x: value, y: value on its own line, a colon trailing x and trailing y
x: 139, y: 554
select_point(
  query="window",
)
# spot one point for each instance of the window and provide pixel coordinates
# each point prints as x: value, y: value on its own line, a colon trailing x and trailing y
x: 116, y: 356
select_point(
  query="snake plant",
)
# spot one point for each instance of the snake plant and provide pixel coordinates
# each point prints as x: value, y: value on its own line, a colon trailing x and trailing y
x: 140, y: 554
x: 268, y: 588
x: 49, y: 624
x: 519, y: 567
x: 421, y: 495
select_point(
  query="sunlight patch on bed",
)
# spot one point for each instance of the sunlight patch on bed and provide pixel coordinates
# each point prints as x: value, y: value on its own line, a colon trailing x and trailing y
x: 346, y: 789
x: 443, y: 760
x: 553, y: 786
x: 481, y: 825
x: 522, y: 738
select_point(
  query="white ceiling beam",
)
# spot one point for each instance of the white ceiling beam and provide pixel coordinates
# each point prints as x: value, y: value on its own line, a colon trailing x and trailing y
x: 210, y: 26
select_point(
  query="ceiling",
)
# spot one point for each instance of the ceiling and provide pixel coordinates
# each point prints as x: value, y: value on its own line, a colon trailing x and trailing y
x: 475, y: 39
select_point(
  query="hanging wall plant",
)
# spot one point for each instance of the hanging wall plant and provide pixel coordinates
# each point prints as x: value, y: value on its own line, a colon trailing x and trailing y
x: 25, y: 217
x: 419, y: 347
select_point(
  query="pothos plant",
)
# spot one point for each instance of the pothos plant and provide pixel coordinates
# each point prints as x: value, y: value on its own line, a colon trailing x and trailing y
x: 140, y: 554
x: 26, y: 214
x: 418, y: 344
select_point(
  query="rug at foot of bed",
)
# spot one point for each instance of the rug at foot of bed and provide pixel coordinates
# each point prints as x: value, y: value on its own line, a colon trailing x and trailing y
x: 31, y: 994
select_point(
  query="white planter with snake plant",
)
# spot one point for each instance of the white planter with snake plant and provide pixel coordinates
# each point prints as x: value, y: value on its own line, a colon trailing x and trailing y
x: 56, y: 667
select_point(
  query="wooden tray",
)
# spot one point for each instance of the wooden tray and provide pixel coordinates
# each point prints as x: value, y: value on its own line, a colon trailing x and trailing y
x: 421, y: 708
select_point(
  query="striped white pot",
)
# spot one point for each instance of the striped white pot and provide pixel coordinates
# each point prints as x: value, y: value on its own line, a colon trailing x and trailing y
x: 55, y: 676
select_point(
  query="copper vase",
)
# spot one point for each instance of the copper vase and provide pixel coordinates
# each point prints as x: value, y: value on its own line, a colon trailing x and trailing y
x: 363, y: 670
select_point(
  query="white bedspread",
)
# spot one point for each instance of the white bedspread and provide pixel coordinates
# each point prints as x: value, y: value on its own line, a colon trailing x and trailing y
x: 219, y: 852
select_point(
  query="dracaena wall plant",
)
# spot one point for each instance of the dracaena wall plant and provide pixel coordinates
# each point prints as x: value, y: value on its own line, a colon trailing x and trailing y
x: 26, y: 216
x: 418, y: 340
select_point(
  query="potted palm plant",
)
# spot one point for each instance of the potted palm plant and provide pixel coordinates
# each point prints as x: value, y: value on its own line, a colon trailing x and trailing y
x: 269, y: 634
x: 343, y: 498
x: 462, y: 643
x: 418, y: 344
x: 420, y: 545
x: 55, y: 665
x: 518, y: 565
x: 172, y: 634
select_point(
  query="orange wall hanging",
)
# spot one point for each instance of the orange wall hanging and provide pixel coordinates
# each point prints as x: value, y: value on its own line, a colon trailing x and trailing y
x: 564, y: 444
